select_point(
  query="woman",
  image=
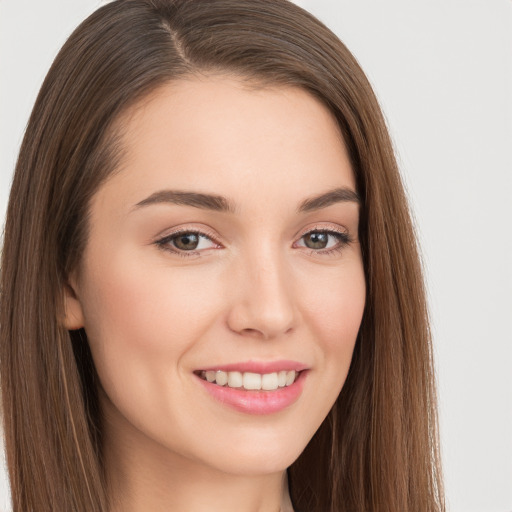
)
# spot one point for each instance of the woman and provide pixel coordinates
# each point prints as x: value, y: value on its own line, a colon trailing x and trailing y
x: 211, y: 294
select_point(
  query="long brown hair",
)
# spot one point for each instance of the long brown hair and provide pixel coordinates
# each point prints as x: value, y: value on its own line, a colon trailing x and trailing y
x: 377, y: 450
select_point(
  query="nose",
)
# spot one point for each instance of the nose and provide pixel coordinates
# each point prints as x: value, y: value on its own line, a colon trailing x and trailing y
x: 264, y: 304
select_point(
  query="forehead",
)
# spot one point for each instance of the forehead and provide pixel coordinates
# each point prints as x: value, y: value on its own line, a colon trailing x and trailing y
x: 220, y: 134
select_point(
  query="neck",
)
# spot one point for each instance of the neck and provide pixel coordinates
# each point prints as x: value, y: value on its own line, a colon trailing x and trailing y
x: 142, y: 475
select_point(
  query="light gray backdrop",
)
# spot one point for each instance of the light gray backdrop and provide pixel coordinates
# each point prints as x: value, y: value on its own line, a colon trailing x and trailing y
x: 443, y: 72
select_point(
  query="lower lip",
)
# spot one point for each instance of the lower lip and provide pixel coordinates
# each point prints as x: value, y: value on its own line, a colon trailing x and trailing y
x: 256, y: 402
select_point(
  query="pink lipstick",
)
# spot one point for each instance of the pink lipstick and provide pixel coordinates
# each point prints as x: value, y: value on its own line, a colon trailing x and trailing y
x: 255, y: 387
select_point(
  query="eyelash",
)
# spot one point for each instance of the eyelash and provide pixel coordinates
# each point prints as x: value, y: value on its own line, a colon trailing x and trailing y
x: 164, y: 243
x: 343, y: 239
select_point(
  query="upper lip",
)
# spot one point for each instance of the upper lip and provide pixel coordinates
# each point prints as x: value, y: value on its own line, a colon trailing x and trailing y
x: 258, y: 366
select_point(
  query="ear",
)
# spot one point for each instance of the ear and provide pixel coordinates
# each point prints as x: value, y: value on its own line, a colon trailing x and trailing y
x: 73, y: 314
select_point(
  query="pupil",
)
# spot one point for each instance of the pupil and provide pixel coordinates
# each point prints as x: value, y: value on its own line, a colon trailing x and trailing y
x: 317, y: 240
x: 187, y: 242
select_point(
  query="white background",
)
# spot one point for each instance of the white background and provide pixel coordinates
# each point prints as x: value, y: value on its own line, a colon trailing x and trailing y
x: 443, y: 72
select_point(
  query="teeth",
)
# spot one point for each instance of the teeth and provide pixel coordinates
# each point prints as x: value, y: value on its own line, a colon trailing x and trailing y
x: 269, y: 381
x: 221, y: 378
x: 235, y: 379
x: 251, y: 381
x: 290, y: 377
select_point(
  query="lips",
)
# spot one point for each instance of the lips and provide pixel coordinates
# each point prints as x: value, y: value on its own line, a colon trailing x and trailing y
x: 255, y: 387
x: 259, y: 366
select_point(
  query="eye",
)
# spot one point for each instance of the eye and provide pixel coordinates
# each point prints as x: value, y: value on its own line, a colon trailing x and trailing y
x: 186, y: 241
x: 318, y: 240
x: 324, y: 240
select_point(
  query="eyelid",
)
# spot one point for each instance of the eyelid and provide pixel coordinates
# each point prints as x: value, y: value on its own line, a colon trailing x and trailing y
x: 323, y: 227
x: 326, y: 228
x: 199, y: 229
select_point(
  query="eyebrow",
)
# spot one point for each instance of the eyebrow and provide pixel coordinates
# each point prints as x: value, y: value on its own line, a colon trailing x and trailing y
x: 195, y: 199
x: 337, y: 195
x: 222, y: 204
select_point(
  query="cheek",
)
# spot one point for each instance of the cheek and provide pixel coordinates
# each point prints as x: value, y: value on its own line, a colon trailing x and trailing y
x: 334, y: 311
x: 128, y: 294
x: 142, y: 319
x: 335, y: 307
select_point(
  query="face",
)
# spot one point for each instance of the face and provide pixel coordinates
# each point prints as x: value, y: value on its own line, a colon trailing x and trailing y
x: 224, y: 249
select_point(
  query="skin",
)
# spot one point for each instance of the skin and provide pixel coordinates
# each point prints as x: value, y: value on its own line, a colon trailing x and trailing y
x: 255, y: 292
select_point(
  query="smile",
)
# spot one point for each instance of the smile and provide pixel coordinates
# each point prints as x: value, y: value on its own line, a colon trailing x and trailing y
x: 255, y: 388
x: 251, y: 381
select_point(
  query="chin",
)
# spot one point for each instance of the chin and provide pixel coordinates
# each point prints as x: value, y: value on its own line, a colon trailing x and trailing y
x: 259, y: 458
